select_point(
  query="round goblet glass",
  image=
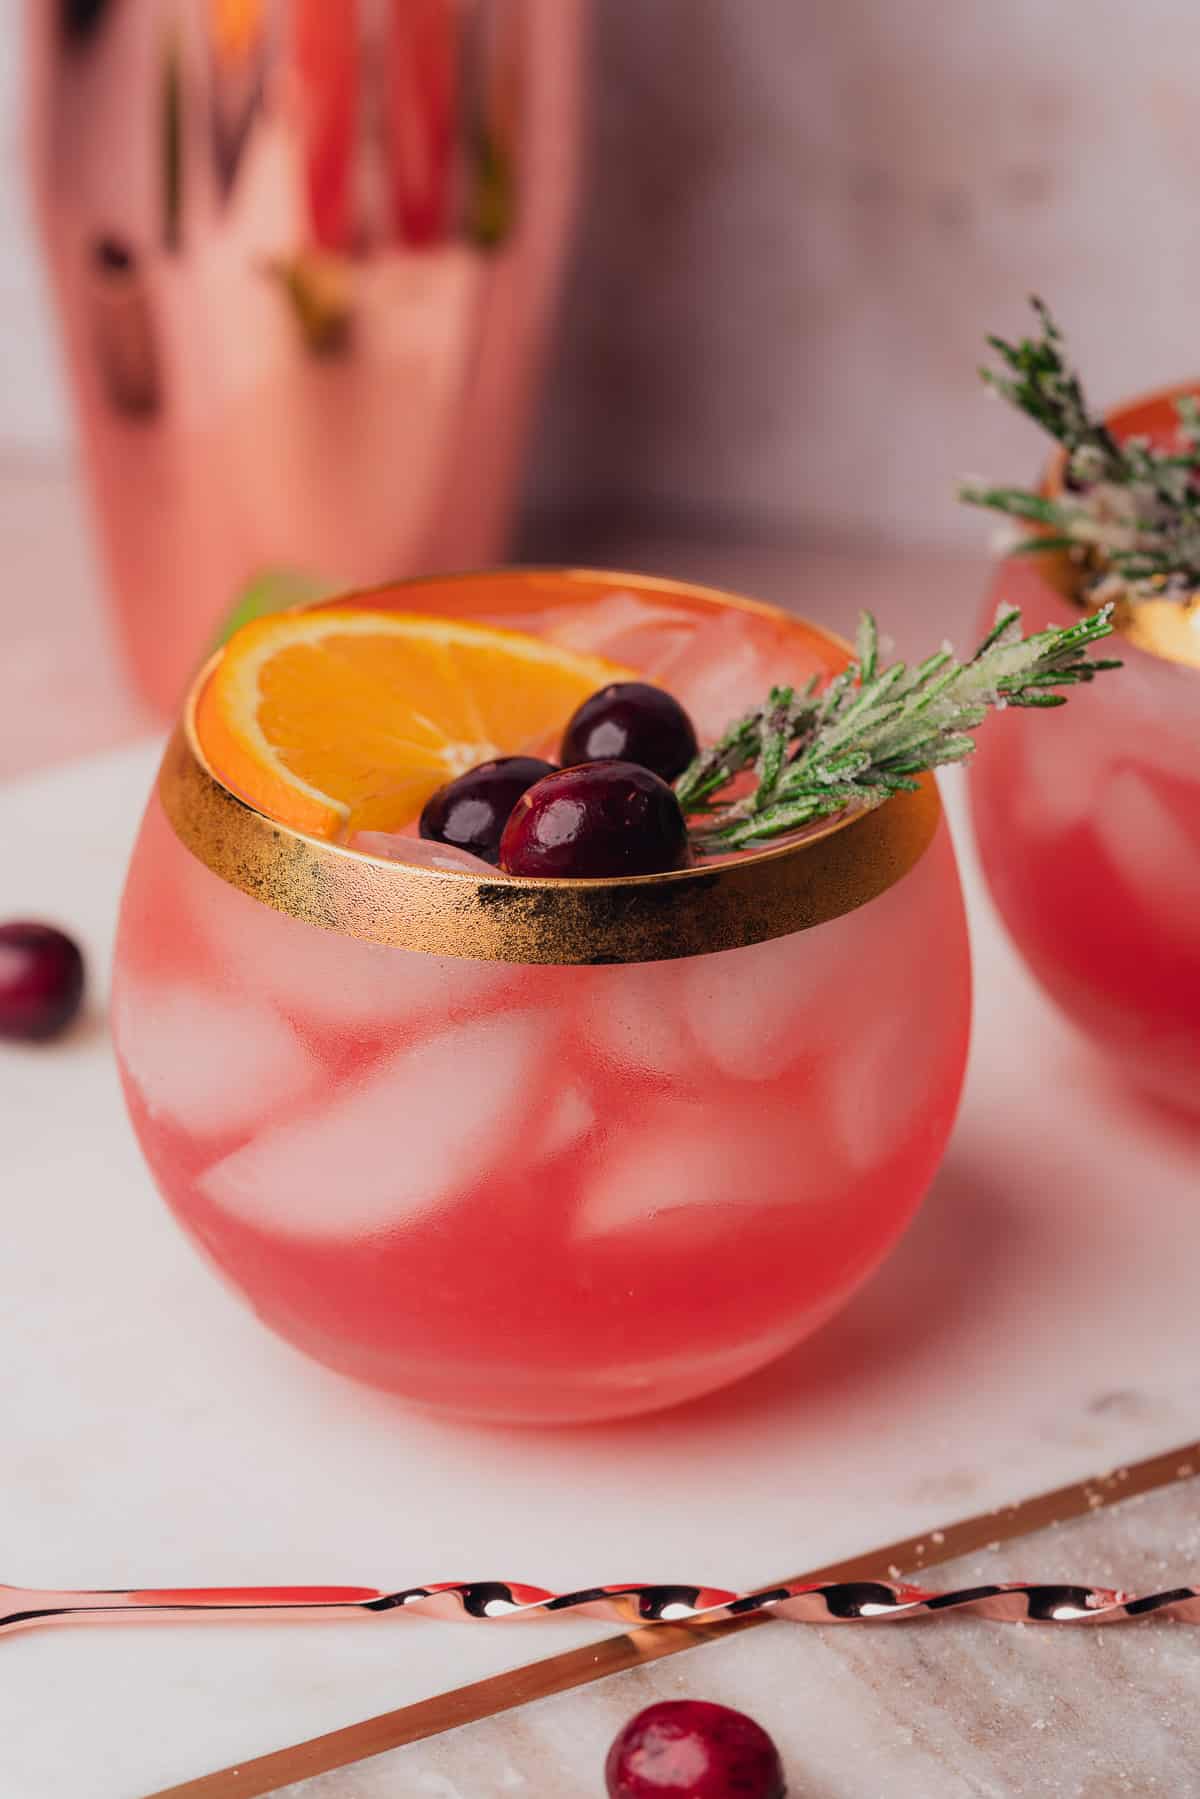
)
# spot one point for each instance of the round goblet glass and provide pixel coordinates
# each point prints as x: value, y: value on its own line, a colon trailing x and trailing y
x: 1088, y: 822
x: 547, y: 1150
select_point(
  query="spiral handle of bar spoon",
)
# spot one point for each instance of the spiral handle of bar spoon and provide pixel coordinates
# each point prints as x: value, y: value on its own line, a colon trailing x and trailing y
x: 833, y: 1602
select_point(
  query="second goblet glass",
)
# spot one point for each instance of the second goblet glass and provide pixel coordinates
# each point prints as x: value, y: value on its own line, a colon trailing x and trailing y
x: 1088, y: 822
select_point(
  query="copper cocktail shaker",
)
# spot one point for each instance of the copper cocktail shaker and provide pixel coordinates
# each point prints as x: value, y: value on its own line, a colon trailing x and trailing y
x: 304, y: 253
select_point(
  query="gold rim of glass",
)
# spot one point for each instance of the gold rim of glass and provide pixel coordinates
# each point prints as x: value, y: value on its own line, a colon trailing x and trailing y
x: 761, y: 894
x: 1167, y: 629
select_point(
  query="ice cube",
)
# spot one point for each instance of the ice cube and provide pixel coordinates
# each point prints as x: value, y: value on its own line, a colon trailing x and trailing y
x: 698, y: 1174
x: 871, y: 1090
x: 751, y: 1010
x: 1152, y: 853
x: 572, y: 1115
x: 419, y: 1131
x: 531, y: 623
x: 212, y: 1065
x: 635, y: 1020
x: 727, y: 667
x: 337, y: 982
x: 1060, y: 783
x: 624, y: 628
x: 396, y: 846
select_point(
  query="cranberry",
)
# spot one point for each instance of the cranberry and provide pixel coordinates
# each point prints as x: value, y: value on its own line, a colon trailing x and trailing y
x: 632, y: 722
x: 604, y: 818
x: 41, y: 980
x: 691, y: 1749
x: 472, y: 811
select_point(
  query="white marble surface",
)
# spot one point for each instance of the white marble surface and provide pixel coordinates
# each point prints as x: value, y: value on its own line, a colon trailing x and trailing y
x: 957, y: 1708
x: 1039, y: 1322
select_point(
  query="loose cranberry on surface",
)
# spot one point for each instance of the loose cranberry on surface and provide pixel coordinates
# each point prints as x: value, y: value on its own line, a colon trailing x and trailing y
x: 41, y: 980
x: 632, y: 722
x: 692, y: 1749
x: 602, y: 819
x: 472, y: 811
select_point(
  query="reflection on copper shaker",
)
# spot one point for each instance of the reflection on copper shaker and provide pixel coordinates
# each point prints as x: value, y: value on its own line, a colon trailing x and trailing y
x: 493, y: 88
x: 171, y: 127
x: 304, y: 253
x: 239, y: 47
x: 423, y: 59
x: 123, y: 330
x: 79, y: 18
x: 329, y: 75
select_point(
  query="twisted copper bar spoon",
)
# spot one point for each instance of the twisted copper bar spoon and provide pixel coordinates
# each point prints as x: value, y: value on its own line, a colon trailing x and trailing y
x: 831, y: 1602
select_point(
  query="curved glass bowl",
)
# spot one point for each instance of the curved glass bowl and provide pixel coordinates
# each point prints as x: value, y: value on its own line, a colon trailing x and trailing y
x: 558, y: 1189
x: 1088, y: 824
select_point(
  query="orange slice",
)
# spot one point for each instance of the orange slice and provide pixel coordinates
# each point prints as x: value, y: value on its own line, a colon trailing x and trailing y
x: 335, y: 721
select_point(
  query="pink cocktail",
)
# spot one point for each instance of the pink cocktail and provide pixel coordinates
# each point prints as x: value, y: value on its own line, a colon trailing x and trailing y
x: 569, y: 1158
x: 1088, y: 823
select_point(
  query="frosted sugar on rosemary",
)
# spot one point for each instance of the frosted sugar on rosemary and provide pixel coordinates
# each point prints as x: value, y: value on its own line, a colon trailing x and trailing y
x: 1129, y: 512
x: 814, y: 752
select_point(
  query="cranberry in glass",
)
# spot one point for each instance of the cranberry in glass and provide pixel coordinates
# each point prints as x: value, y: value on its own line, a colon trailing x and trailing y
x: 602, y: 819
x: 41, y: 980
x: 632, y: 722
x: 692, y: 1749
x: 472, y: 811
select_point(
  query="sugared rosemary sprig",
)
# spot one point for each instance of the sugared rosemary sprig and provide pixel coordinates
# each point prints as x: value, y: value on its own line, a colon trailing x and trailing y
x: 1129, y: 512
x: 872, y: 730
